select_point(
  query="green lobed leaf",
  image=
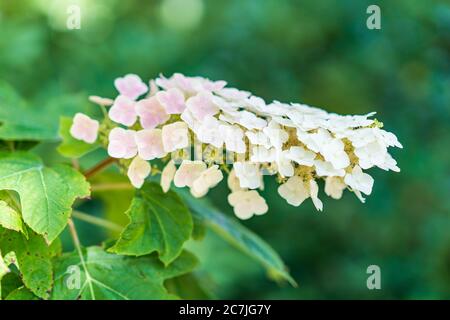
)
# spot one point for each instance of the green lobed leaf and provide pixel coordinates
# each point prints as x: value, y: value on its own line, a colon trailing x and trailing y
x: 9, y: 217
x: 4, y: 270
x: 8, y: 283
x: 46, y: 194
x: 115, y: 202
x: 71, y: 147
x: 158, y: 222
x: 20, y: 121
x: 188, y: 287
x: 105, y: 276
x: 11, y: 146
x: 32, y: 258
x: 21, y: 293
x: 239, y: 236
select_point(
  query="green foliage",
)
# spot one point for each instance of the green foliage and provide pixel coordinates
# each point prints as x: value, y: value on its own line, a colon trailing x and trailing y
x: 46, y: 194
x: 158, y: 222
x: 71, y: 147
x: 239, y: 236
x: 109, y: 276
x: 32, y: 257
x: 20, y: 121
x: 9, y: 217
x: 21, y: 293
x: 330, y: 60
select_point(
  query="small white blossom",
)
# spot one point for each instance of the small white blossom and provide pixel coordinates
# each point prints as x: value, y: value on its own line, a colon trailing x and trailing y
x: 208, y: 179
x: 261, y: 154
x: 295, y: 191
x: 233, y: 138
x: 84, y: 128
x: 123, y: 111
x: 250, y: 121
x: 326, y: 169
x: 122, y: 143
x: 175, y: 136
x: 149, y: 143
x: 389, y: 163
x: 233, y: 181
x: 248, y: 174
x: 277, y: 136
x: 334, y: 187
x: 301, y: 156
x: 233, y: 94
x: 138, y: 170
x: 167, y: 175
x: 101, y: 101
x: 202, y: 105
x: 210, y: 132
x: 284, y: 164
x: 258, y: 138
x: 247, y: 203
x: 188, y: 172
x: 358, y: 180
x: 172, y: 100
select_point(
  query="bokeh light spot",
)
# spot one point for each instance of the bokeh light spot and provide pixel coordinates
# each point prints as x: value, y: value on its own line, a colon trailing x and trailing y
x: 181, y: 15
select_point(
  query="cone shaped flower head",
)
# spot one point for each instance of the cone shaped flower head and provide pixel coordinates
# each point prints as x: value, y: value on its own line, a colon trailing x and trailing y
x: 196, y: 129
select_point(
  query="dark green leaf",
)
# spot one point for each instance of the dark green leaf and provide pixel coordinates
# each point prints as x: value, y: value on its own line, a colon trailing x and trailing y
x: 46, y: 194
x: 21, y: 293
x: 158, y: 222
x: 32, y: 258
x: 104, y: 276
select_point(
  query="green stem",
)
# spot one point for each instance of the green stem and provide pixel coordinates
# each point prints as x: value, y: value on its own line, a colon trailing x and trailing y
x: 96, y: 221
x: 77, y: 244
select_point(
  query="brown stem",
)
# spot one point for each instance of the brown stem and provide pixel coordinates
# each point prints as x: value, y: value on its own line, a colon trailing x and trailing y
x: 99, y: 167
x: 111, y: 186
x: 74, y: 235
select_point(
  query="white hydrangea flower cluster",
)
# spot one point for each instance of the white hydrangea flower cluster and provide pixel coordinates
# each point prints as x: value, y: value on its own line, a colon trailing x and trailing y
x: 296, y: 143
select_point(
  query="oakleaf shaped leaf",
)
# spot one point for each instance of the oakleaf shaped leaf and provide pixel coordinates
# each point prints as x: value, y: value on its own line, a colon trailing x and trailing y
x: 239, y: 236
x: 106, y: 276
x: 71, y: 147
x: 32, y: 258
x: 21, y: 293
x: 9, y: 217
x: 158, y: 222
x: 46, y: 194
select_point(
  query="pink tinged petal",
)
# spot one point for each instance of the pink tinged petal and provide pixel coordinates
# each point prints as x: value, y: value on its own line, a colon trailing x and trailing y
x: 202, y: 105
x: 84, y: 128
x: 175, y: 136
x: 153, y: 88
x: 123, y: 111
x: 138, y: 170
x: 131, y: 86
x: 151, y: 113
x: 101, y: 101
x: 149, y: 144
x: 234, y: 94
x: 188, y: 172
x: 122, y: 143
x: 183, y: 82
x: 172, y: 100
x: 167, y: 176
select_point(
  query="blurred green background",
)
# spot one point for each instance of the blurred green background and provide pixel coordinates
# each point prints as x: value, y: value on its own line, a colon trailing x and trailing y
x: 316, y: 52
